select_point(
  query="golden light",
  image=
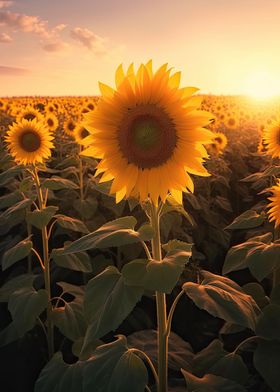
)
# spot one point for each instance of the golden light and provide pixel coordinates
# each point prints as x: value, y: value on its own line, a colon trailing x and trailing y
x: 261, y: 85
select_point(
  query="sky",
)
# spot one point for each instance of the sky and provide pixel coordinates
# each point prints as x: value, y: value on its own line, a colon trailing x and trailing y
x: 64, y: 47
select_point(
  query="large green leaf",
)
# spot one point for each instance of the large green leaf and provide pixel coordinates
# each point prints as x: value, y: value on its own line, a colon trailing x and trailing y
x: 10, y: 199
x: 108, y: 301
x: 211, y: 383
x: 71, y: 223
x: 163, y: 275
x: 10, y: 173
x: 56, y: 183
x: 16, y: 253
x: 268, y: 325
x: 267, y: 362
x: 25, y: 305
x: 24, y: 281
x: 70, y: 319
x: 115, y: 233
x: 41, y: 218
x: 11, y: 212
x: 223, y: 298
x: 76, y: 261
x: 247, y: 220
x: 112, y: 368
x: 207, y: 357
x: 232, y: 367
x: 258, y: 254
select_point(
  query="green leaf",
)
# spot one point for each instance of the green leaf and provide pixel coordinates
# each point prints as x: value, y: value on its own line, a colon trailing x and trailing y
x: 268, y: 326
x: 24, y: 281
x: 87, y: 208
x: 10, y: 199
x: 177, y: 245
x: 112, y: 368
x: 108, y: 301
x: 173, y: 205
x: 207, y: 357
x: 72, y: 289
x: 71, y: 223
x: 10, y: 173
x: 70, y: 319
x: 56, y: 183
x: 25, y: 305
x: 239, y: 256
x: 9, y: 334
x: 223, y: 298
x: 134, y: 273
x: 115, y: 233
x: 146, y: 232
x: 232, y: 367
x: 257, y: 292
x: 16, y: 253
x: 264, y: 259
x: 163, y: 275
x: 248, y: 220
x: 41, y: 218
x: 76, y: 262
x: 210, y: 383
x: 180, y: 353
x: 12, y: 211
x: 267, y: 362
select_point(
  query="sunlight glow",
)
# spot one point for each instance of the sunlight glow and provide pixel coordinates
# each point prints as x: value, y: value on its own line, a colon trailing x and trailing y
x: 261, y: 85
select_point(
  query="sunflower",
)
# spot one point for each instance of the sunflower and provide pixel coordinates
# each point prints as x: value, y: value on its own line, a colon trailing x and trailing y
x: 80, y: 133
x: 69, y: 127
x: 29, y: 142
x: 51, y: 122
x: 271, y: 137
x: 29, y: 113
x: 274, y: 206
x: 148, y: 134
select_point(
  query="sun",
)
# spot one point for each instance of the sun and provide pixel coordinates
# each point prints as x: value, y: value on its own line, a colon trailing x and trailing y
x: 261, y: 85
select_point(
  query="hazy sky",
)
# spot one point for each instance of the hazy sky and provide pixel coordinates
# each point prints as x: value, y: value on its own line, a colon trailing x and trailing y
x: 64, y: 47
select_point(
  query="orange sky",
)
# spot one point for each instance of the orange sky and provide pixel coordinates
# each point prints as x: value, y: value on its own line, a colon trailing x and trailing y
x: 64, y: 47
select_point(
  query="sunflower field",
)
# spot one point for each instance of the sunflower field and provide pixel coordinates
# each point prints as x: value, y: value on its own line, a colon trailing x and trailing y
x: 140, y: 243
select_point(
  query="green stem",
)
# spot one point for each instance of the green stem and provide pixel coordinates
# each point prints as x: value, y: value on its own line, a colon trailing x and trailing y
x: 276, y: 272
x: 46, y: 270
x: 171, y: 312
x: 161, y: 307
x: 81, y: 175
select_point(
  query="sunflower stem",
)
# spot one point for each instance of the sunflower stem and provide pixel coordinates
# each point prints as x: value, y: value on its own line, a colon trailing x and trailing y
x: 161, y: 306
x: 81, y: 175
x: 46, y: 263
x: 276, y: 272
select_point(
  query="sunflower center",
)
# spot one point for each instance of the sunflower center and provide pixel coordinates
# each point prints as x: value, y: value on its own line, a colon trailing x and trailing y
x: 29, y: 116
x: 84, y: 133
x: 50, y: 122
x: 71, y: 126
x: 30, y: 141
x: 218, y: 140
x: 147, y: 136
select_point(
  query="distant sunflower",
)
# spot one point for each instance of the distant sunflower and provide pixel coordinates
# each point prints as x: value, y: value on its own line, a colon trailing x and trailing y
x: 271, y: 137
x: 69, y: 126
x: 149, y: 134
x: 51, y: 122
x: 274, y: 206
x: 29, y: 113
x: 80, y: 133
x: 29, y: 142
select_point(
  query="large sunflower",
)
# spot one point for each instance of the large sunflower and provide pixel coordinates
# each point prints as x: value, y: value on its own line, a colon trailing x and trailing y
x: 274, y: 206
x: 271, y: 137
x: 148, y: 134
x: 29, y: 142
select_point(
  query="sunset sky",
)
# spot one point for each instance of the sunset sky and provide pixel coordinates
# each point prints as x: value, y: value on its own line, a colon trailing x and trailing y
x: 64, y: 47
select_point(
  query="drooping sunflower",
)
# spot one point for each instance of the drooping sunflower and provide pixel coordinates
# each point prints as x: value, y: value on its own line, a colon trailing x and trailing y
x: 29, y: 113
x: 80, y: 133
x: 51, y: 122
x: 149, y: 134
x: 274, y: 206
x: 271, y: 137
x: 219, y: 142
x: 69, y: 126
x: 29, y: 142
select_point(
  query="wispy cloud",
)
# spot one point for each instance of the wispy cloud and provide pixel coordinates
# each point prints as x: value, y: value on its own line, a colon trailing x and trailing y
x: 5, y: 4
x: 24, y: 23
x: 55, y: 46
x: 87, y: 38
x: 14, y: 71
x: 5, y: 38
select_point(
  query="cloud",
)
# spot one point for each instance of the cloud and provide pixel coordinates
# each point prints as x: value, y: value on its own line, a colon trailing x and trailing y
x: 13, y: 71
x: 5, y: 4
x: 24, y: 23
x: 55, y: 46
x: 5, y: 38
x: 89, y: 39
